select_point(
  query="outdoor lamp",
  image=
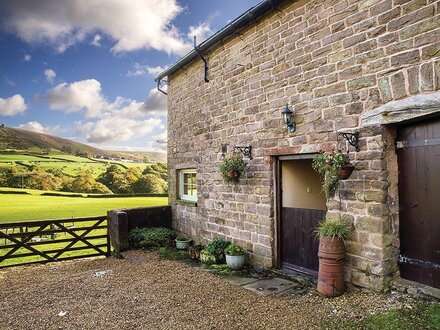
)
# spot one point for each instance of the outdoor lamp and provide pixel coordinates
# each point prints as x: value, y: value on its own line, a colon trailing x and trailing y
x: 288, y: 119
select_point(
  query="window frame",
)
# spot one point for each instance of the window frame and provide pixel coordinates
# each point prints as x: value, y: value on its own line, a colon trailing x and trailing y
x: 182, y: 196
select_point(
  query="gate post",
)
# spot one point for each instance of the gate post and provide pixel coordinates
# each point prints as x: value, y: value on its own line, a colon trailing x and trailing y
x: 118, y: 230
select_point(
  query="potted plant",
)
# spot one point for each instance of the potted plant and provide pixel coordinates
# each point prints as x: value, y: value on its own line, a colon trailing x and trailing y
x: 232, y: 167
x: 213, y: 252
x: 331, y: 255
x: 182, y: 243
x: 235, y: 256
x: 333, y: 167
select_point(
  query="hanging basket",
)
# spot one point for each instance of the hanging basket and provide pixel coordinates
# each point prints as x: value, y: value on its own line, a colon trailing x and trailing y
x: 345, y: 172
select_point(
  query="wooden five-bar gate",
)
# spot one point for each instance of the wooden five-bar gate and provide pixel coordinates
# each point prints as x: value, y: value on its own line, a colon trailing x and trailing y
x: 31, y: 242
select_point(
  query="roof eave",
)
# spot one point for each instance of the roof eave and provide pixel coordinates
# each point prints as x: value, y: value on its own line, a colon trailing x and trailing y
x: 239, y: 23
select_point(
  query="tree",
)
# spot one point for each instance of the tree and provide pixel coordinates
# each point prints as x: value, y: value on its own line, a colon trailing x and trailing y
x: 150, y: 184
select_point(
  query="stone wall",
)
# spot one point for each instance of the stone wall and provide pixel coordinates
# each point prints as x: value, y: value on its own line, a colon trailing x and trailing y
x: 331, y: 61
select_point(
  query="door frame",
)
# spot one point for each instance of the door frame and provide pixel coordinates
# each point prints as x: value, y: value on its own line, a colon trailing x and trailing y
x: 277, y: 175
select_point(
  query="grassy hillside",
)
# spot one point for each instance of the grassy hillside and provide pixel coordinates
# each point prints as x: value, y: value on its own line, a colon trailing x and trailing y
x: 15, y: 139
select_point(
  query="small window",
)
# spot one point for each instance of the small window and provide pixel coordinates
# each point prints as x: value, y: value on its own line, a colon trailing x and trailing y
x: 188, y: 185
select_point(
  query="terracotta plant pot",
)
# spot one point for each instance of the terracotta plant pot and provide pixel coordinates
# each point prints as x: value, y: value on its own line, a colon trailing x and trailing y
x: 331, y: 266
x: 345, y: 172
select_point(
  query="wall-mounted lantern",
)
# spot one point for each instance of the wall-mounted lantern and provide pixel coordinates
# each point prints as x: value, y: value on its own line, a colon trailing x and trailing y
x: 288, y: 119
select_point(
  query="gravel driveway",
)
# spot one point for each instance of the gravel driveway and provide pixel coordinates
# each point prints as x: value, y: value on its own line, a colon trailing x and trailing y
x: 144, y: 292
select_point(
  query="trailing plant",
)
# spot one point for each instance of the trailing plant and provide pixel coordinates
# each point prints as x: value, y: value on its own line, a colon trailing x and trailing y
x: 234, y: 250
x: 232, y: 167
x: 216, y: 246
x: 150, y: 237
x: 332, y: 228
x: 328, y: 165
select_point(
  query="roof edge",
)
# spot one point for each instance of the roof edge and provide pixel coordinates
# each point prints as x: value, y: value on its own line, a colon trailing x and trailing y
x: 237, y: 24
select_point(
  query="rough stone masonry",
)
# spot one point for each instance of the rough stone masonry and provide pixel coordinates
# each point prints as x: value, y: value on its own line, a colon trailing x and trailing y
x: 334, y: 62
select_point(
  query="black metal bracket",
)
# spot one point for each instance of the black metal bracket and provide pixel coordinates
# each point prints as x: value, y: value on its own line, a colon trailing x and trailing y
x: 159, y: 82
x: 246, y: 151
x: 197, y: 50
x: 352, y: 139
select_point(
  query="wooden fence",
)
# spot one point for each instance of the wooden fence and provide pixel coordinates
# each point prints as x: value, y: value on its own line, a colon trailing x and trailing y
x: 31, y: 242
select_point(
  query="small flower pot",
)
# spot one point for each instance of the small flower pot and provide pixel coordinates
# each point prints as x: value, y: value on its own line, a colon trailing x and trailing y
x: 183, y: 245
x: 236, y: 262
x: 345, y: 172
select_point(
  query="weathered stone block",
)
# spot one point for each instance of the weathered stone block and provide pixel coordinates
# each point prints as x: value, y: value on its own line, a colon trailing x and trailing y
x: 426, y: 77
x: 362, y: 82
x: 398, y: 85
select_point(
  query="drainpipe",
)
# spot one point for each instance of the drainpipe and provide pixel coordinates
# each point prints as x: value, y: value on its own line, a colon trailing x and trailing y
x: 197, y: 50
x: 159, y: 89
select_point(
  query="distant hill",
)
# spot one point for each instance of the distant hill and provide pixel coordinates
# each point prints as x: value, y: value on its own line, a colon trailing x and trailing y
x: 23, y: 140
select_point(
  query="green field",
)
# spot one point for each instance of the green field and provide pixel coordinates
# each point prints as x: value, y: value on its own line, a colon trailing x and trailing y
x: 68, y: 164
x: 14, y: 207
x: 17, y: 207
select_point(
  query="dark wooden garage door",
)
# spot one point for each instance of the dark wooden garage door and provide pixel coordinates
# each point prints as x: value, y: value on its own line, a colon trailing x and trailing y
x: 418, y: 150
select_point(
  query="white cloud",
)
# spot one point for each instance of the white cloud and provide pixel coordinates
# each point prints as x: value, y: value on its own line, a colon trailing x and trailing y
x: 35, y: 126
x: 141, y: 70
x: 120, y: 120
x: 80, y: 95
x: 155, y: 104
x: 27, y: 57
x: 12, y: 105
x: 201, y: 31
x: 96, y: 40
x: 86, y: 95
x: 133, y: 25
x: 117, y: 128
x: 50, y: 75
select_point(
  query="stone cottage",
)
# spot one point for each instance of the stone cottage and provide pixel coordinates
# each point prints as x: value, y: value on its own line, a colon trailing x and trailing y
x: 369, y: 69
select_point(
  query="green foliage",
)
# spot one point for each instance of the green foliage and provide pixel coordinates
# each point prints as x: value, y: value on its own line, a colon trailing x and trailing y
x: 232, y: 163
x: 328, y: 165
x: 151, y: 184
x: 424, y: 316
x: 234, y: 250
x: 86, y: 183
x: 216, y: 246
x: 334, y: 228
x: 173, y: 254
x: 150, y: 237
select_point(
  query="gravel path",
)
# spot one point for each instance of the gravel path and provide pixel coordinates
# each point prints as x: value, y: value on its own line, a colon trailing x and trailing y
x: 145, y: 292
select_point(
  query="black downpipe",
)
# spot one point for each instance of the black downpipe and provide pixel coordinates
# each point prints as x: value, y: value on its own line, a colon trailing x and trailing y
x: 197, y: 50
x: 160, y: 90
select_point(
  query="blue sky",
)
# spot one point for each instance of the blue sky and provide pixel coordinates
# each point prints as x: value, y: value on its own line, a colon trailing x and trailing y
x: 84, y: 69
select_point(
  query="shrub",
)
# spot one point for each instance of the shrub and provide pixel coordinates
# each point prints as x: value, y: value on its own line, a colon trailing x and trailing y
x: 334, y: 228
x: 150, y: 237
x: 182, y: 238
x: 234, y: 250
x: 217, y: 246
